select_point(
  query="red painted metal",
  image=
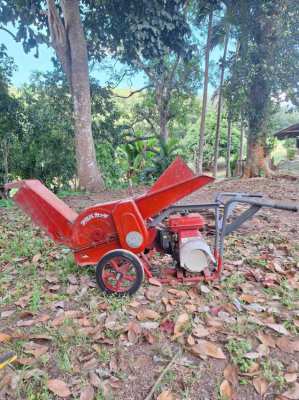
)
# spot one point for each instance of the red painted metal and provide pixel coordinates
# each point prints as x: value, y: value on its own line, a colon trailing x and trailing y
x: 114, y: 268
x: 151, y: 204
x: 45, y: 209
x: 177, y: 223
x: 118, y: 224
x: 127, y: 219
x: 172, y: 275
x: 177, y: 172
x: 146, y: 265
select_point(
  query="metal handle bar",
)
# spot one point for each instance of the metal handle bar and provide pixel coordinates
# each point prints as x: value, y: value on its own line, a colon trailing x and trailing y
x: 269, y: 204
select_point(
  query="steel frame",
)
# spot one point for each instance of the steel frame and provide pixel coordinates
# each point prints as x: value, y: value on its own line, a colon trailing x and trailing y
x: 224, y: 205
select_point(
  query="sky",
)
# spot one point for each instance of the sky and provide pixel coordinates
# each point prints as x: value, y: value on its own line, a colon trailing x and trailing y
x: 27, y: 63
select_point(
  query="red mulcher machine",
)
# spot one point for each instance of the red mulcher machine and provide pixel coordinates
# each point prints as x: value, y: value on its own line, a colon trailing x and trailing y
x: 120, y: 237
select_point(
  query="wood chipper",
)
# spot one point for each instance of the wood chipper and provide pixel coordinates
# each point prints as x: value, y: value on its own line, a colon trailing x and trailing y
x: 121, y: 237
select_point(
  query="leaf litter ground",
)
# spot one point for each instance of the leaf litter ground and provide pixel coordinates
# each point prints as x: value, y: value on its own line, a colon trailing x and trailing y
x: 233, y: 339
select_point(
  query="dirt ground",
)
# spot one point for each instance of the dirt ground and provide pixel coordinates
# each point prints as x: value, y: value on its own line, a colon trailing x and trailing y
x: 237, y: 338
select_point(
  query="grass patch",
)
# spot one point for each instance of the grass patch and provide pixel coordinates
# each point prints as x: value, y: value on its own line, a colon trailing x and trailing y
x: 231, y: 283
x: 117, y: 303
x: 287, y: 295
x: 273, y: 372
x: 6, y: 203
x: 237, y: 350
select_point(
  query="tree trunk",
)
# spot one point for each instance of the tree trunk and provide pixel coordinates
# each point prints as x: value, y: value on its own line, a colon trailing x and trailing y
x: 241, y: 141
x: 162, y: 105
x: 219, y: 107
x: 256, y: 164
x: 200, y: 150
x: 229, y: 141
x: 164, y: 133
x: 240, y: 163
x: 5, y: 160
x: 70, y: 46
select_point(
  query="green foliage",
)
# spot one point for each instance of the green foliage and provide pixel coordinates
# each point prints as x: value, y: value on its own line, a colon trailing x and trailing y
x: 266, y: 61
x: 9, y: 114
x: 238, y: 350
x: 36, y: 123
x: 41, y: 143
x: 191, y: 139
x: 291, y: 153
x: 45, y: 147
x: 132, y: 29
x: 6, y: 203
x: 164, y: 154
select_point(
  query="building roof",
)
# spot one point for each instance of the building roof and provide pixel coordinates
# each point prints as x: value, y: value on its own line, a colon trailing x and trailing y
x: 290, y: 132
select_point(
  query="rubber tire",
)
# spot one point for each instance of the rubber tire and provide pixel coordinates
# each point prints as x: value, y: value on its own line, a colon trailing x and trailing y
x: 129, y: 256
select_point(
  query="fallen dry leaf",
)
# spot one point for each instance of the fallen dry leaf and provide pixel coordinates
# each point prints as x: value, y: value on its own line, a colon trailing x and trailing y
x: 147, y: 313
x: 165, y: 395
x: 254, y: 367
x: 94, y: 379
x: 35, y: 349
x: 23, y: 301
x: 25, y: 361
x: 263, y: 350
x: 40, y: 337
x: 190, y: 340
x: 177, y: 293
x: 36, y: 258
x: 248, y: 298
x: 149, y: 337
x: 152, y: 293
x: 226, y: 390
x: 205, y: 348
x: 214, y: 322
x: 200, y: 331
x: 267, y: 340
x: 87, y: 393
x: 260, y: 385
x: 134, y: 331
x: 58, y: 387
x: 290, y: 377
x: 293, y: 393
x: 293, y: 367
x: 230, y: 374
x: 4, y: 337
x: 287, y: 345
x: 155, y: 282
x: 180, y: 325
x: 191, y: 308
x: 278, y: 328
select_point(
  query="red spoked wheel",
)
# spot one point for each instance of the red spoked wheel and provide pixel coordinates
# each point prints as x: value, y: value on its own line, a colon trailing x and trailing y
x: 119, y: 272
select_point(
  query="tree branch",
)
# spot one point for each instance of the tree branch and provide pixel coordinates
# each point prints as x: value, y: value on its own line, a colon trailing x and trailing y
x: 59, y: 40
x: 167, y: 368
x: 139, y: 139
x: 10, y: 33
x: 119, y: 80
x: 132, y: 93
x: 146, y: 69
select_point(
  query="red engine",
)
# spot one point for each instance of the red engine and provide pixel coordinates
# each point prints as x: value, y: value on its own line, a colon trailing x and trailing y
x: 183, y: 239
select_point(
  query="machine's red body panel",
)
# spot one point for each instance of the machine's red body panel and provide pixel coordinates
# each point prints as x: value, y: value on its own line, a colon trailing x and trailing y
x: 152, y: 203
x: 46, y: 210
x: 177, y: 172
